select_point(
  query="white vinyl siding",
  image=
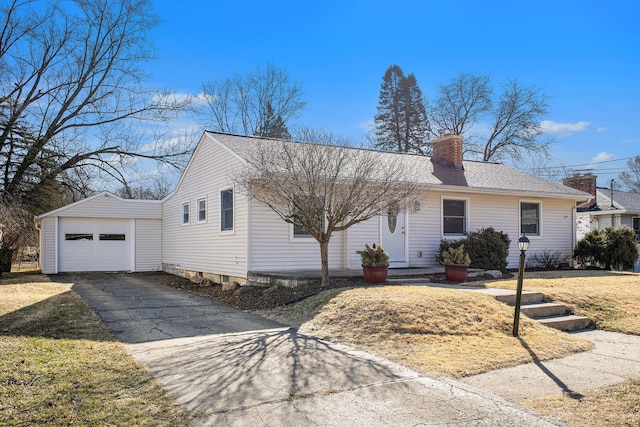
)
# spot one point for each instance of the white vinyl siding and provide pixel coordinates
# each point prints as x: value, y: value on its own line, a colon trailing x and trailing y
x: 49, y: 246
x: 111, y: 206
x: 367, y: 232
x: 499, y: 212
x: 148, y: 255
x: 272, y: 248
x: 204, y: 248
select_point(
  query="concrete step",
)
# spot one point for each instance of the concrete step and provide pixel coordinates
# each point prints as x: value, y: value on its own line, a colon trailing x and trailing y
x: 543, y: 309
x: 568, y: 322
x: 528, y: 297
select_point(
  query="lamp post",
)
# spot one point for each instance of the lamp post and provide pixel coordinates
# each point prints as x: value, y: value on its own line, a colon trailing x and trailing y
x: 523, y: 245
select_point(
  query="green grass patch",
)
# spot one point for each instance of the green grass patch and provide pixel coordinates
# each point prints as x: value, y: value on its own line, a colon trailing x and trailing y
x: 60, y: 365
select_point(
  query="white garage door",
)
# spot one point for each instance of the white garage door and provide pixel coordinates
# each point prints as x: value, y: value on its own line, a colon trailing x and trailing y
x: 94, y: 244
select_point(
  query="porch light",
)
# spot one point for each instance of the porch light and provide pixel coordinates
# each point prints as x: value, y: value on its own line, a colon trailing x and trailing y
x: 523, y: 245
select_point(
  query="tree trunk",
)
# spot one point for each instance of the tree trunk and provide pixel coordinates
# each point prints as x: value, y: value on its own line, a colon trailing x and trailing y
x: 324, y: 259
x: 6, y: 256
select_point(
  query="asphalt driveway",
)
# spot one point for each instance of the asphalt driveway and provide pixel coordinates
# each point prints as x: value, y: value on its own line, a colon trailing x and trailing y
x: 230, y: 367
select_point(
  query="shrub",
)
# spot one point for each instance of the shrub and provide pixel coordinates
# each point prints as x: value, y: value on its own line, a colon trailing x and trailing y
x: 611, y: 248
x: 546, y: 259
x: 487, y: 248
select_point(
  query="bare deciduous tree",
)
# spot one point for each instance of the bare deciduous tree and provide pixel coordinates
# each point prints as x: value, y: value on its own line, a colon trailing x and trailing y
x: 325, y: 186
x: 513, y: 120
x: 16, y: 229
x: 631, y: 178
x: 71, y: 90
x: 240, y: 104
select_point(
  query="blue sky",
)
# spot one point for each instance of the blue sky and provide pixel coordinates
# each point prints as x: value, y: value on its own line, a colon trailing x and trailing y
x: 585, y: 54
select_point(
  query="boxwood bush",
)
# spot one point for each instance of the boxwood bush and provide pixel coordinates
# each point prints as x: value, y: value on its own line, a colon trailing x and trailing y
x: 487, y: 248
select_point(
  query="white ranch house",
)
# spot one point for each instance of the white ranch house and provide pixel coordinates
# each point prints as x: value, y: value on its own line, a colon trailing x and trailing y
x: 207, y: 227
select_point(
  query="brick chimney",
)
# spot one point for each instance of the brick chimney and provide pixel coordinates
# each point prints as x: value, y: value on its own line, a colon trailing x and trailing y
x: 586, y: 183
x: 449, y: 147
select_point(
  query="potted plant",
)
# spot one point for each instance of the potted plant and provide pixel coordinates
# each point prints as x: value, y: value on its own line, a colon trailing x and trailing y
x: 456, y: 264
x: 375, y: 263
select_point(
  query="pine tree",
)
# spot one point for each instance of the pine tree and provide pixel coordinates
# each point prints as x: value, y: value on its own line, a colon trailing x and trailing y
x: 401, y: 123
x: 273, y: 126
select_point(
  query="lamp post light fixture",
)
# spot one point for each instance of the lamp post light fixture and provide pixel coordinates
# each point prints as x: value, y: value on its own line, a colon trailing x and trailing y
x: 523, y: 245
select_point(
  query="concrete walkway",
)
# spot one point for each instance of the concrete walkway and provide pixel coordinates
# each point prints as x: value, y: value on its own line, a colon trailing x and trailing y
x: 231, y: 368
x: 615, y: 358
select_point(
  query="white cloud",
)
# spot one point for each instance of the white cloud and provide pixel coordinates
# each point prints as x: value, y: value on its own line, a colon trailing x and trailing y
x: 369, y: 125
x: 601, y: 130
x: 603, y: 157
x: 563, y: 129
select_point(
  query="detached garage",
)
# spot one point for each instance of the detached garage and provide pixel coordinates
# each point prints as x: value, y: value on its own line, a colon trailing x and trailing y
x: 102, y: 233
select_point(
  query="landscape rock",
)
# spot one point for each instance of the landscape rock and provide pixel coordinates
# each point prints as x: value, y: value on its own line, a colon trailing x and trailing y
x: 494, y: 274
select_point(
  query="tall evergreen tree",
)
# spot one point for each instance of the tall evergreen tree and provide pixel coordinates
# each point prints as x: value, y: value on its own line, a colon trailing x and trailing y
x: 401, y: 123
x: 273, y: 126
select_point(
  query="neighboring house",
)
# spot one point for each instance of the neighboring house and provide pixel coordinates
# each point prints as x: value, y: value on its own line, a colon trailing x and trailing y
x: 605, y: 208
x: 210, y: 228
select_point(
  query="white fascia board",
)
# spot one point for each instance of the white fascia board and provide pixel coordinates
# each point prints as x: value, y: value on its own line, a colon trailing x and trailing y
x: 501, y: 192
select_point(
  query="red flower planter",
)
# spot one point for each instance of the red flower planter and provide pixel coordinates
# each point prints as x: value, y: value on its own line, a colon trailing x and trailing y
x: 455, y: 272
x: 375, y: 274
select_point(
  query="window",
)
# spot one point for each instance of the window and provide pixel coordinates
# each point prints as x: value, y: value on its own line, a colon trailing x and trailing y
x: 530, y: 218
x: 311, y: 213
x: 78, y: 236
x: 636, y: 227
x: 185, y: 213
x: 112, y: 237
x: 454, y: 217
x: 202, y: 210
x: 226, y: 210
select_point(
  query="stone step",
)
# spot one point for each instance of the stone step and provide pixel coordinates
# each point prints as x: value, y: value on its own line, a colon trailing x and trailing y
x: 528, y: 297
x: 543, y: 309
x: 566, y: 323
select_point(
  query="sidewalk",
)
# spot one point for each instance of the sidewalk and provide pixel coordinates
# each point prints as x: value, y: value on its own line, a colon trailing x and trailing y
x: 615, y: 358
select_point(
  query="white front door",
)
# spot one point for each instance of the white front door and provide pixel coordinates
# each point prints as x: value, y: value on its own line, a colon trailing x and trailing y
x: 393, y: 232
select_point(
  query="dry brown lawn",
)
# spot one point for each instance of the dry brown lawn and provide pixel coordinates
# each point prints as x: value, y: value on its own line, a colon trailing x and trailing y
x: 610, y: 299
x: 614, y: 406
x: 60, y: 364
x: 433, y: 330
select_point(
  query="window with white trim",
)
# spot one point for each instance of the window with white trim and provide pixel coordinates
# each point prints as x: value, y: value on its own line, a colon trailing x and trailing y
x: 185, y: 213
x: 226, y: 210
x: 202, y: 210
x: 454, y: 217
x: 530, y: 218
x: 306, y: 211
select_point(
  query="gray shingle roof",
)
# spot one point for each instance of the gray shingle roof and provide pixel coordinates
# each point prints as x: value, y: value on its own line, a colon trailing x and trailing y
x: 478, y: 176
x: 622, y: 200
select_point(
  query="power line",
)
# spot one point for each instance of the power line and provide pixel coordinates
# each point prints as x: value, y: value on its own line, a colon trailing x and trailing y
x: 581, y: 164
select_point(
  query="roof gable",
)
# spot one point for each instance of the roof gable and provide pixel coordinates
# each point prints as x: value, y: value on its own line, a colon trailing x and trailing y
x: 108, y: 205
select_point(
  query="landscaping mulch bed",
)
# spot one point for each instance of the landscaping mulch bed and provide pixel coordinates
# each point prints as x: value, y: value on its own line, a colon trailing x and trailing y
x: 258, y: 297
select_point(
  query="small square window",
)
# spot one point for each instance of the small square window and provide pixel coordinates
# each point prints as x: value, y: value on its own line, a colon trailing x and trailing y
x: 185, y: 213
x: 202, y: 210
